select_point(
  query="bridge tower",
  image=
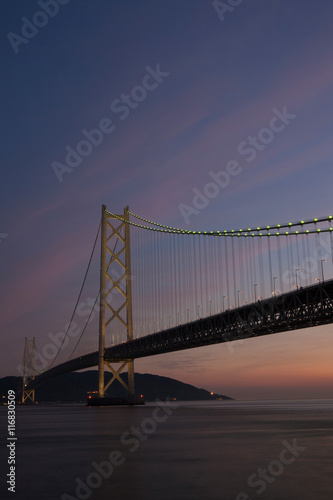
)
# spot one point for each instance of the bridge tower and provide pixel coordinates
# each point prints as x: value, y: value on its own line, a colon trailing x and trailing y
x: 28, y: 395
x: 115, y: 294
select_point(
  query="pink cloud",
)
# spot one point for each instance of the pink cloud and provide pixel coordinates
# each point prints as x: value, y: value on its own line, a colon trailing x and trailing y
x: 33, y: 281
x: 45, y: 210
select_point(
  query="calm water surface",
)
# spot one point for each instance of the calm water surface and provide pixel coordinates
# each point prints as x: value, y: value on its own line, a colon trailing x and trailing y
x: 272, y: 450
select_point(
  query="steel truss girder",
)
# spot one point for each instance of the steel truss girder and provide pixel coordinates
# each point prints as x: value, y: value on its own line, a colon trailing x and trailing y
x: 303, y: 308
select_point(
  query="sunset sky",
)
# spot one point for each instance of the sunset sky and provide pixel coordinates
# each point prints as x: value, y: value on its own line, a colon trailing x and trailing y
x: 210, y: 80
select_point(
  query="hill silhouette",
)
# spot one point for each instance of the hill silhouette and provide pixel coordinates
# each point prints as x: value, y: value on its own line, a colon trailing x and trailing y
x: 73, y: 387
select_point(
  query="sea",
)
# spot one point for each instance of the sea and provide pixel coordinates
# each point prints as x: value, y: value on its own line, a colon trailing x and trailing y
x: 171, y: 450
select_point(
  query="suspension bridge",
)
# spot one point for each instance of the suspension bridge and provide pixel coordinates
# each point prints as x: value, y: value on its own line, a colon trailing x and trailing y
x: 164, y: 289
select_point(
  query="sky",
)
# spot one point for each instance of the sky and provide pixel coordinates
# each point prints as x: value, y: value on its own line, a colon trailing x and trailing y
x: 163, y: 92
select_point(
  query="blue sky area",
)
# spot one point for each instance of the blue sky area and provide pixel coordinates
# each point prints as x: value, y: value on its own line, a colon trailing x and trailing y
x: 212, y: 83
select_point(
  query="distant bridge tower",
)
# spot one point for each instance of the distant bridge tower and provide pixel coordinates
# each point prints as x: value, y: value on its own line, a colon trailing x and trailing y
x: 115, y: 294
x: 28, y: 395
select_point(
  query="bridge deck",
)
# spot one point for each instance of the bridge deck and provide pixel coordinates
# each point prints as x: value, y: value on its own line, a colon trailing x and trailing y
x: 303, y: 308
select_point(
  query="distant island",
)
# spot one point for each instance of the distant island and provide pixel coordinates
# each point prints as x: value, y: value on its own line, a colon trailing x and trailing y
x: 75, y: 387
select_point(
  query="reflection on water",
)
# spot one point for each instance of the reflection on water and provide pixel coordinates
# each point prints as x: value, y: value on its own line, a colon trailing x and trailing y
x: 270, y: 450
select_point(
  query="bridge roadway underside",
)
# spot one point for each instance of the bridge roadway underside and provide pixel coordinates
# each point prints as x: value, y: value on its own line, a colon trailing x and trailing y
x: 302, y: 308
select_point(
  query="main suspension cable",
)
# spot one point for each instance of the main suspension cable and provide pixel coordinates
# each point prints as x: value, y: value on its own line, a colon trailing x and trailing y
x: 77, y: 302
